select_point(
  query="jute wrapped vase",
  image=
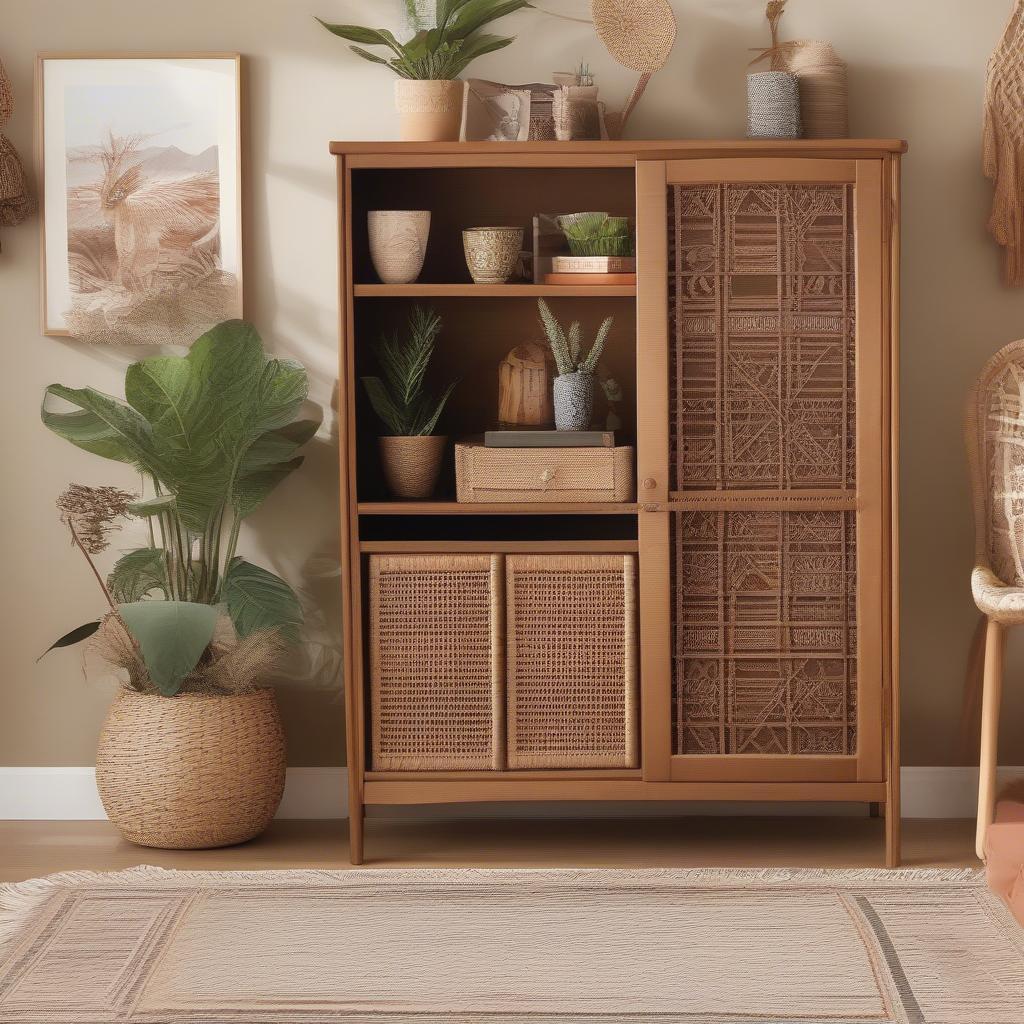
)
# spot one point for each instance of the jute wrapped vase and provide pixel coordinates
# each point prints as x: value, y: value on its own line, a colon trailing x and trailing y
x: 430, y: 111
x: 773, y: 105
x: 194, y: 771
x: 411, y: 465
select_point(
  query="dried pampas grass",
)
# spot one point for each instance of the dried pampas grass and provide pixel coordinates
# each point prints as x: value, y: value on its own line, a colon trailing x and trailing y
x: 230, y: 664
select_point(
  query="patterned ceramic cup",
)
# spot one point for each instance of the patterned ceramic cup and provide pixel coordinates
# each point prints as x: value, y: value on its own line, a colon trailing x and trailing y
x: 398, y: 243
x: 491, y: 253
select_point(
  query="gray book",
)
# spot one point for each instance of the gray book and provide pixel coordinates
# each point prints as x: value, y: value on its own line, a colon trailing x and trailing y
x: 549, y: 439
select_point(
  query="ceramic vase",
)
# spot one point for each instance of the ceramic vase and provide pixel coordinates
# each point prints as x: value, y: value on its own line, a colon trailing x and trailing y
x: 492, y: 253
x: 574, y: 400
x: 194, y: 771
x: 398, y: 243
x: 412, y: 465
x: 773, y: 105
x: 430, y: 111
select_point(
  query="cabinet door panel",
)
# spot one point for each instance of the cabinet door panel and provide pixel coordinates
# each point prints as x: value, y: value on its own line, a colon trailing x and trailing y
x: 771, y: 316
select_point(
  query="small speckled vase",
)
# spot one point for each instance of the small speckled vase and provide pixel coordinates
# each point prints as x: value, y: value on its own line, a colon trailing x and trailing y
x: 574, y: 400
x: 492, y: 253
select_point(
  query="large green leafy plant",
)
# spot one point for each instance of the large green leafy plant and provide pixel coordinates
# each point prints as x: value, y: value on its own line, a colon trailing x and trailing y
x: 441, y: 52
x: 213, y: 432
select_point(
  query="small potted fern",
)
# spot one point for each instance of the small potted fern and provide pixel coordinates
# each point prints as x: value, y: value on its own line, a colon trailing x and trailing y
x: 429, y: 94
x: 411, y: 454
x: 573, y: 388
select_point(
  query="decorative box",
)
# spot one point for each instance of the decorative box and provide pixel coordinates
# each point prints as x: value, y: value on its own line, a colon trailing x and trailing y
x: 543, y: 474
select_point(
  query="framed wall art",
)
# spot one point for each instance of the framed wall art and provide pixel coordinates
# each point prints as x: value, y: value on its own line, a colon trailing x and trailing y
x: 141, y: 165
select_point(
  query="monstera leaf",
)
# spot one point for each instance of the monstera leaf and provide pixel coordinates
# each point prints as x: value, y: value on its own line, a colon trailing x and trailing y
x: 258, y: 600
x: 172, y: 636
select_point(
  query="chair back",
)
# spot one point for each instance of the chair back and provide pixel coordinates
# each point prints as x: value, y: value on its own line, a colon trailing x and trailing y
x: 995, y: 449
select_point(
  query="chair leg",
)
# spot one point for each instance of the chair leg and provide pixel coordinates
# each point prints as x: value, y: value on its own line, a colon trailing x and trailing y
x: 991, y: 698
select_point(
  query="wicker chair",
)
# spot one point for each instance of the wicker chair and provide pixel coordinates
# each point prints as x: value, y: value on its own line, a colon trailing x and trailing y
x: 995, y: 448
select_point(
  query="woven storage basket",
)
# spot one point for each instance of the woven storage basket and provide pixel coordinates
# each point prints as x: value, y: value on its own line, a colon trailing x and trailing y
x: 193, y: 771
x: 572, y: 661
x: 436, y: 662
x: 543, y: 474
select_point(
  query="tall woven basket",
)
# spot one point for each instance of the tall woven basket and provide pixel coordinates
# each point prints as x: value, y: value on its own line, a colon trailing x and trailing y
x: 821, y: 76
x: 194, y: 771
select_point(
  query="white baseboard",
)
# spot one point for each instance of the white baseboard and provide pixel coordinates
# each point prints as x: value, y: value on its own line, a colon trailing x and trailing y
x: 70, y: 794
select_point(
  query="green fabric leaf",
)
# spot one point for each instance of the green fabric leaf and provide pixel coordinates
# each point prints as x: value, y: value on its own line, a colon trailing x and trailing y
x: 258, y: 600
x: 76, y: 636
x: 172, y: 636
x: 137, y: 574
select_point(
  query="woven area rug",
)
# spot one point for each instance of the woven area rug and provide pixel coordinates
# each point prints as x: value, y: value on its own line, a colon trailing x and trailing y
x: 533, y: 946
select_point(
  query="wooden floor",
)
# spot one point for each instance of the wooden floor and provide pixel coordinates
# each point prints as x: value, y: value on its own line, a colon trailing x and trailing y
x: 33, y: 848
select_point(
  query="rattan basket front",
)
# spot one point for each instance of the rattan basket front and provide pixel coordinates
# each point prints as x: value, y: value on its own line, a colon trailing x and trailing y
x: 436, y: 662
x: 572, y: 661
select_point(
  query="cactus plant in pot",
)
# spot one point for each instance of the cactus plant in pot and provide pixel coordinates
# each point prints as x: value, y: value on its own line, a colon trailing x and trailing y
x: 192, y: 752
x: 429, y: 94
x: 573, y: 388
x: 411, y: 454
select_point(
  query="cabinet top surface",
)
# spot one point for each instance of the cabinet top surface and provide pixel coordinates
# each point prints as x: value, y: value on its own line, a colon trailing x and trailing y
x: 653, y: 147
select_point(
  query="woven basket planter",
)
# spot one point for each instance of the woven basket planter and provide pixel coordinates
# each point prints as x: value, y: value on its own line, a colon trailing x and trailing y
x: 191, y: 772
x: 430, y: 111
x: 411, y: 465
x: 574, y: 400
x: 572, y: 661
x: 773, y: 105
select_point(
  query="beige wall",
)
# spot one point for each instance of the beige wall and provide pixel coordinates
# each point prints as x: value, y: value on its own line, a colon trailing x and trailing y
x: 917, y: 71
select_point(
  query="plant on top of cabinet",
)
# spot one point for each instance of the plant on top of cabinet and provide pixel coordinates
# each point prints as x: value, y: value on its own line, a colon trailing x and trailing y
x: 429, y: 94
x: 192, y: 627
x: 411, y: 454
x: 573, y: 388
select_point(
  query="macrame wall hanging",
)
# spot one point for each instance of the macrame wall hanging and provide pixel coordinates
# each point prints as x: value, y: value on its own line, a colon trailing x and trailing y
x: 15, y: 202
x: 1004, y: 144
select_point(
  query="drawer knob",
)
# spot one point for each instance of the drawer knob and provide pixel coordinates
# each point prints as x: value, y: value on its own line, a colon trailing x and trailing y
x: 650, y: 483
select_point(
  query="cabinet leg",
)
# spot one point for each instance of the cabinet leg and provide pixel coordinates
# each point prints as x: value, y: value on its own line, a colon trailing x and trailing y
x: 990, y: 700
x: 356, y: 816
x: 893, y: 848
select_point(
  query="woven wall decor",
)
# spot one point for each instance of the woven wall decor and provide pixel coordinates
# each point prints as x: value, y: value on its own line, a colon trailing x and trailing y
x: 640, y: 35
x: 15, y: 202
x: 1003, y: 156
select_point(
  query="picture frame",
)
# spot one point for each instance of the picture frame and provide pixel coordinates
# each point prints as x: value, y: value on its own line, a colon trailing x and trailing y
x: 140, y: 163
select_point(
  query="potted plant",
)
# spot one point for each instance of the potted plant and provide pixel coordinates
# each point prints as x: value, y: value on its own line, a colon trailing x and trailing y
x: 411, y: 454
x: 429, y: 94
x: 192, y: 752
x: 573, y: 388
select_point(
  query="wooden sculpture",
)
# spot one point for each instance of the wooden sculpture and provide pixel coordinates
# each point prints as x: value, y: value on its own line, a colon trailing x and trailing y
x: 1004, y: 144
x: 524, y: 387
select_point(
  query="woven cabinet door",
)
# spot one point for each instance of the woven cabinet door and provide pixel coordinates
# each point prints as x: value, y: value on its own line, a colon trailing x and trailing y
x: 572, y: 661
x: 437, y: 688
x: 773, y: 352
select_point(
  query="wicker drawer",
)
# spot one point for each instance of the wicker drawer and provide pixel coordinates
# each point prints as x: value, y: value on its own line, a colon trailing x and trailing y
x: 572, y: 661
x: 543, y: 474
x: 437, y: 673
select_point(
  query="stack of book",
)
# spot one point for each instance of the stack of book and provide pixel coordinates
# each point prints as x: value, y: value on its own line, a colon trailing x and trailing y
x: 549, y: 439
x: 592, y: 270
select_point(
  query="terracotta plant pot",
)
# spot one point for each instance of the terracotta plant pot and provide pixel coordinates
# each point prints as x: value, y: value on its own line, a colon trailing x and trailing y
x: 492, y: 253
x: 430, y: 111
x: 411, y: 464
x: 398, y: 243
x: 574, y: 400
x: 191, y: 772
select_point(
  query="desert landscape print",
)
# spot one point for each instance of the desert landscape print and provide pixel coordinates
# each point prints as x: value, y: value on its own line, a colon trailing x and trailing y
x: 143, y: 181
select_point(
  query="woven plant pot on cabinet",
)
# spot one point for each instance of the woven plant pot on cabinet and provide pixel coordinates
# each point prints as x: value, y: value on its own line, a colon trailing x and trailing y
x: 436, y: 662
x: 194, y: 771
x: 572, y: 661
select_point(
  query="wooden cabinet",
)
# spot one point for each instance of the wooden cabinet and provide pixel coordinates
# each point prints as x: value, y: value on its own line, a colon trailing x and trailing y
x: 757, y: 355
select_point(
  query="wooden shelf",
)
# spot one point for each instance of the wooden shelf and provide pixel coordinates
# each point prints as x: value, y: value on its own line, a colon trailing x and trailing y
x: 445, y: 508
x: 493, y: 291
x: 509, y: 775
x: 498, y: 547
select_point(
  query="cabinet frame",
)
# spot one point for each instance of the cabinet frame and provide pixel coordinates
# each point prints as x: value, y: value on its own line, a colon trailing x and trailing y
x: 873, y: 166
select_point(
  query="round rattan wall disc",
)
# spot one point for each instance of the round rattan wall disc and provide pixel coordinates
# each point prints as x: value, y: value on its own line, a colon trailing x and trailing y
x: 639, y: 34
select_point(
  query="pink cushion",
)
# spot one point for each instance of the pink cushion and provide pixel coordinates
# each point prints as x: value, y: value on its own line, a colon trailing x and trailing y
x: 1004, y: 848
